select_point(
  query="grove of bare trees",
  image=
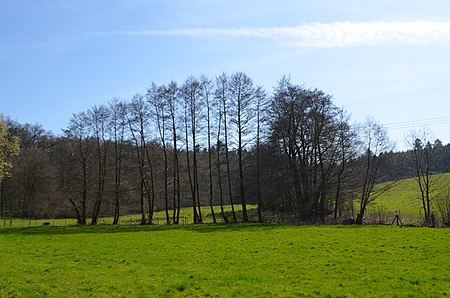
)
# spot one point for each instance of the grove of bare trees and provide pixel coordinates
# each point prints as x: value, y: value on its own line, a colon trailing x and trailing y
x: 206, y: 142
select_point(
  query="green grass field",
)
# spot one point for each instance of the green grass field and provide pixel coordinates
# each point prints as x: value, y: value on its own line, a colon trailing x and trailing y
x: 405, y: 198
x: 159, y: 218
x: 225, y: 261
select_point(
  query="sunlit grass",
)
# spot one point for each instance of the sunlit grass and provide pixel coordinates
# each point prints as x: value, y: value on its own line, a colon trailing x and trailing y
x: 224, y: 260
x: 404, y: 198
x: 159, y: 218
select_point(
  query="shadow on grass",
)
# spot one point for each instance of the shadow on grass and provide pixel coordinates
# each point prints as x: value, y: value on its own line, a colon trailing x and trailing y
x: 103, y: 229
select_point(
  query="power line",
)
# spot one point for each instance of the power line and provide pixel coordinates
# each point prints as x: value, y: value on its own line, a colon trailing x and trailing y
x: 419, y: 122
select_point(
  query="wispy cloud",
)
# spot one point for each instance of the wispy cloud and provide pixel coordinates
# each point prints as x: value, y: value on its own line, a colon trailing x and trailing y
x: 317, y: 35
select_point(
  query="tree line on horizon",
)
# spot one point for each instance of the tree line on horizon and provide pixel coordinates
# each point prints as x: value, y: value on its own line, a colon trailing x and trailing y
x: 211, y: 142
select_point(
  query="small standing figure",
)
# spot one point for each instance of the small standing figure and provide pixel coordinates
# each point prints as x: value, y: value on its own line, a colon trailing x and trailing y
x: 397, y: 219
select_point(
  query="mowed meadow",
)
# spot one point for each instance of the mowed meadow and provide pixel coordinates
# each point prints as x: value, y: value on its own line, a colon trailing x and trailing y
x: 236, y: 260
x: 229, y: 260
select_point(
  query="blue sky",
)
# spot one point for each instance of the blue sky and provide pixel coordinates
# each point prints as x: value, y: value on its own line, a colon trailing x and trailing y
x: 389, y: 59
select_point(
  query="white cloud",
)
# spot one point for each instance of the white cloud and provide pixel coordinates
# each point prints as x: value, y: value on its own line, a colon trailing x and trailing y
x: 317, y: 35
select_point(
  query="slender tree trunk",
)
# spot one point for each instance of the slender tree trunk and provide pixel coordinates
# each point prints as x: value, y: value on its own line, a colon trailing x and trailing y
x: 142, y: 183
x: 365, y: 191
x: 151, y: 198
x: 429, y: 221
x: 241, y: 168
x: 241, y: 184
x: 258, y: 171
x: 174, y: 181
x: 188, y: 162
x: 193, y: 192
x: 258, y: 188
x: 140, y: 151
x: 162, y: 133
x: 227, y: 157
x: 84, y: 195
x: 142, y: 187
x: 219, y: 181
x: 259, y: 101
x: 338, y: 186
x: 219, y: 173
x: 195, y: 170
x: 77, y: 213
x: 421, y: 180
x: 209, y: 166
x: 166, y: 181
x: 118, y: 126
x: 101, y: 182
x: 336, y: 201
x: 116, y: 210
x: 150, y: 190
x: 175, y: 176
x: 178, y: 191
x: 156, y: 95
x: 116, y: 182
x: 118, y: 150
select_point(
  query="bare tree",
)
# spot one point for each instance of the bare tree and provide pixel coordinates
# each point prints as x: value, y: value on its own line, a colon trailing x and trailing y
x: 242, y: 95
x: 346, y: 154
x: 170, y: 96
x: 305, y: 129
x: 261, y: 109
x: 288, y: 136
x: 98, y: 117
x: 222, y: 93
x: 220, y: 90
x: 150, y: 188
x: 207, y: 86
x: 426, y: 158
x: 78, y: 133
x: 118, y: 124
x: 209, y: 143
x: 155, y: 95
x: 191, y: 92
x: 34, y: 173
x: 324, y: 129
x: 138, y: 122
x: 375, y: 142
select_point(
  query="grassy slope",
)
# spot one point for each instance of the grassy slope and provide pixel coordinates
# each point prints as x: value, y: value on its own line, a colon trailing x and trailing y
x: 225, y: 261
x: 405, y: 197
